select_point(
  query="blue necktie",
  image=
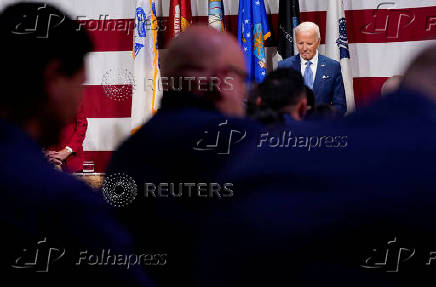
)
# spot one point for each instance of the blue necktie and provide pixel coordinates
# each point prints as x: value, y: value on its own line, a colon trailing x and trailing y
x: 308, y: 75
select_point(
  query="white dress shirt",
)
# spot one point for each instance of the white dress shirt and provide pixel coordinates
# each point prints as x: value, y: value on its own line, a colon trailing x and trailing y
x: 314, y: 65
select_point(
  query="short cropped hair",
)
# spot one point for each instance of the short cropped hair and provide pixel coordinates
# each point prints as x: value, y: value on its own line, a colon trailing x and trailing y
x: 281, y: 88
x: 33, y: 35
x: 420, y: 74
x: 308, y: 26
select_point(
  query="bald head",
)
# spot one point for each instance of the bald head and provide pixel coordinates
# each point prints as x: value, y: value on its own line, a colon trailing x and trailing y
x: 201, y: 47
x: 214, y: 64
x: 421, y: 73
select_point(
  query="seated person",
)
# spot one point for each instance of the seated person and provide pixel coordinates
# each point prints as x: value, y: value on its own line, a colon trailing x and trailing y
x: 67, y: 155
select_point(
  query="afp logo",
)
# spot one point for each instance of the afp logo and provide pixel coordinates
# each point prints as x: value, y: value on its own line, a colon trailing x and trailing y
x: 388, y: 22
x: 38, y: 258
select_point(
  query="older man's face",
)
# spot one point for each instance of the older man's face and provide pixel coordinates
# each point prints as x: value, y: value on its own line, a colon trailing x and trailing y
x: 307, y: 43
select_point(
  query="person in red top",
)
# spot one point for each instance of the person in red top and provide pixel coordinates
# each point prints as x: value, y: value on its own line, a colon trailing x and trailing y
x: 68, y: 154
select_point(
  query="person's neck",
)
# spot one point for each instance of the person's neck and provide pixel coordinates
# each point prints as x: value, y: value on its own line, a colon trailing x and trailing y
x: 293, y: 112
x: 425, y: 89
x: 184, y: 99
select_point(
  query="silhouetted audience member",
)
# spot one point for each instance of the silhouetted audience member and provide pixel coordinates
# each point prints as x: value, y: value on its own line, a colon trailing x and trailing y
x: 391, y: 85
x: 54, y: 227
x: 198, y: 128
x: 310, y: 100
x: 280, y: 98
x: 324, y: 112
x: 355, y: 210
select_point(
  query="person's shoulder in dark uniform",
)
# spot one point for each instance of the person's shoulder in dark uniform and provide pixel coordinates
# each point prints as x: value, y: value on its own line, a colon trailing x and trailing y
x: 195, y: 133
x: 50, y: 211
x: 356, y: 215
x: 55, y: 229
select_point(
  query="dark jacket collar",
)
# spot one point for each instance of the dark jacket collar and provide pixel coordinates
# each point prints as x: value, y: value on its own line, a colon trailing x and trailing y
x: 13, y: 138
x: 182, y: 100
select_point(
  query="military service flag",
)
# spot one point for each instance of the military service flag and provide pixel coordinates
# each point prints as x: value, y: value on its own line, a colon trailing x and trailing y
x: 253, y: 31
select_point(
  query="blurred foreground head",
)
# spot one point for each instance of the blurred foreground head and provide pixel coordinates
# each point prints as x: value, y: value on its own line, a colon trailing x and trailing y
x: 391, y: 85
x: 43, y: 53
x: 208, y: 64
x: 421, y: 73
x: 281, y: 93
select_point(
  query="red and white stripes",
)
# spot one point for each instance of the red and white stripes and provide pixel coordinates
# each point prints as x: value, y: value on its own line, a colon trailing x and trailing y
x: 384, y: 37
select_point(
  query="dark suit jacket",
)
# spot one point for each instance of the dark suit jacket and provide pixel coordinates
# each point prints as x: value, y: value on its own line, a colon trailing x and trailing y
x: 40, y: 203
x: 326, y: 216
x: 162, y: 151
x: 328, y: 86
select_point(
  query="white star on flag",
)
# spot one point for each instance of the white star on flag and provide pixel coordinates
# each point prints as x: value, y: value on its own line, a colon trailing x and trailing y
x: 257, y: 3
x: 246, y: 21
x: 248, y: 35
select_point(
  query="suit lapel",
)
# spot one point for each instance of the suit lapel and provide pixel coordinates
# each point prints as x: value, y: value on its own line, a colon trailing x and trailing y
x: 320, y: 71
x: 296, y: 65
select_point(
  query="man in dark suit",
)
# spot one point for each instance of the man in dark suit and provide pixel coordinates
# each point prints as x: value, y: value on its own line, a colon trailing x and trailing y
x: 321, y: 74
x: 359, y: 214
x: 54, y: 227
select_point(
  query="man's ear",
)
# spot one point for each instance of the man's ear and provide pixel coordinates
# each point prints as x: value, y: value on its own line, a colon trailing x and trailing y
x: 258, y: 101
x: 302, y: 108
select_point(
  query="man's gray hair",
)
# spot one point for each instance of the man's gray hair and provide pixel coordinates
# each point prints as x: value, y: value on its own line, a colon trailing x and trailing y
x: 308, y: 26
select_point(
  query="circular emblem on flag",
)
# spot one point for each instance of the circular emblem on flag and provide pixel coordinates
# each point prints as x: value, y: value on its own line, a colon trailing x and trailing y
x: 119, y: 190
x: 118, y: 84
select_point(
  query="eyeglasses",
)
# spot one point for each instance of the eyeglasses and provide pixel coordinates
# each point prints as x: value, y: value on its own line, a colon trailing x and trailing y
x: 243, y: 75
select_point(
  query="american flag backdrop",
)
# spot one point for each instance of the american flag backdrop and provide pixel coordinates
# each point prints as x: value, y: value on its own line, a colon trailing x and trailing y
x: 384, y: 36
